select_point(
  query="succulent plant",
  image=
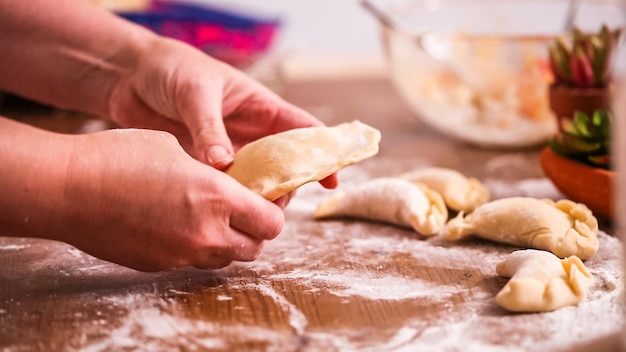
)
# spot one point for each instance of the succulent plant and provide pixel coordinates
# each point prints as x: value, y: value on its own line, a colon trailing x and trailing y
x: 586, y: 138
x: 586, y: 61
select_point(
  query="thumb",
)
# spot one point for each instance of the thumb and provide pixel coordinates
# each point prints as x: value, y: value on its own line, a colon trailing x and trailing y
x: 211, y: 143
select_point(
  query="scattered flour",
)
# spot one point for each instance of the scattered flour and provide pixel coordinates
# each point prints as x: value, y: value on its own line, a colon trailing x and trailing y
x: 152, y: 327
x: 13, y: 247
x: 347, y: 283
x: 297, y: 319
x: 76, y: 253
x: 354, y: 264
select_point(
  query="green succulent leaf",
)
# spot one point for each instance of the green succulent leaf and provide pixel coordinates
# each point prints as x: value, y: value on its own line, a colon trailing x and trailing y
x: 569, y: 127
x: 577, y: 35
x: 563, y: 55
x: 617, y: 34
x: 559, y: 64
x: 581, y: 124
x: 574, y: 144
x: 577, y: 147
x: 597, y: 126
x: 599, y: 54
x: 600, y: 160
x: 601, y: 122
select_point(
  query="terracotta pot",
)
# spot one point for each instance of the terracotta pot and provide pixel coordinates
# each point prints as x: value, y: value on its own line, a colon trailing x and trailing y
x: 580, y: 182
x: 565, y: 101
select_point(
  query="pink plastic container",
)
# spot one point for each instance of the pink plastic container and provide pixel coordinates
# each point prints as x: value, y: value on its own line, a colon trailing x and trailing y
x: 235, y: 37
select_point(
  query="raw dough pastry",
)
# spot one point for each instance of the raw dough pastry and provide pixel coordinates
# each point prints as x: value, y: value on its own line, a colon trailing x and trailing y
x: 542, y: 282
x: 390, y: 200
x: 459, y: 192
x: 278, y: 164
x: 565, y: 228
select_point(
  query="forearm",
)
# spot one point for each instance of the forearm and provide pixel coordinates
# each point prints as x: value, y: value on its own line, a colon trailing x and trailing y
x: 33, y: 165
x: 66, y: 53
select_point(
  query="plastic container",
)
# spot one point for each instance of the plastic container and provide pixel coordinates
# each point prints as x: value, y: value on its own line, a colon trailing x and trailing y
x: 234, y: 36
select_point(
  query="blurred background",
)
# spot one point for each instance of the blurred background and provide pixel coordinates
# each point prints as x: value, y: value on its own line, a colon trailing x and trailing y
x: 478, y: 71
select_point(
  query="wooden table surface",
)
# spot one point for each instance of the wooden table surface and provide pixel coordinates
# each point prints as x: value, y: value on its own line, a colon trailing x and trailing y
x: 338, y: 285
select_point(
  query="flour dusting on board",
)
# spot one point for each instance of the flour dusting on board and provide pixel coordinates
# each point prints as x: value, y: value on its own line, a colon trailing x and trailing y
x: 13, y: 247
x: 387, y: 289
x: 151, y: 326
x: 349, y: 283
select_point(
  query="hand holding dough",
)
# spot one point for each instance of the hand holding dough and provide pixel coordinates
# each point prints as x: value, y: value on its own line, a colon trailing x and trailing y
x: 459, y: 192
x: 565, y: 228
x: 542, y: 282
x: 390, y: 200
x: 278, y: 164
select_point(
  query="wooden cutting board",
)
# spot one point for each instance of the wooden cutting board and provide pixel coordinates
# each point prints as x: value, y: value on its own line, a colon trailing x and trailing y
x: 336, y: 285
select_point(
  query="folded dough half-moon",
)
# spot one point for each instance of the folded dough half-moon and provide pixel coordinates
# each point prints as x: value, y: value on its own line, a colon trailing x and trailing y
x: 390, y: 200
x: 565, y: 228
x: 460, y: 193
x: 542, y: 282
x: 277, y: 164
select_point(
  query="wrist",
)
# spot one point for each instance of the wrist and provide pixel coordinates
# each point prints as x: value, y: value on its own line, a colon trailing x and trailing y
x: 104, y: 67
x: 31, y: 192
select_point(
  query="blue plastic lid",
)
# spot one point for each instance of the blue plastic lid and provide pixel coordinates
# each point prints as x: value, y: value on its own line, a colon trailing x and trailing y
x: 181, y: 11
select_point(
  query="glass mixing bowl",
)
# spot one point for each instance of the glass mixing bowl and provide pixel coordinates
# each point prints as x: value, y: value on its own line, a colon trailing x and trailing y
x: 478, y: 70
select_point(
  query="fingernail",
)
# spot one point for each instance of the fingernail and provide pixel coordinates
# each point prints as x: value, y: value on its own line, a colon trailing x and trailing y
x: 218, y: 157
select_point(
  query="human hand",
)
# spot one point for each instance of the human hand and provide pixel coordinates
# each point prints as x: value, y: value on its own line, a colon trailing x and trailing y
x: 137, y: 199
x: 212, y: 108
x: 137, y: 78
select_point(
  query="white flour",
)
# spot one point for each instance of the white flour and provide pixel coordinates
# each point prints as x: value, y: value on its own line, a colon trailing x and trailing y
x: 13, y: 247
x: 348, y: 283
x: 150, y: 325
x: 389, y: 273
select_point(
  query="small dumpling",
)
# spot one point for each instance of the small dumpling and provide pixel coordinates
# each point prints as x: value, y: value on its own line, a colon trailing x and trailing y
x: 459, y: 192
x: 277, y: 164
x: 542, y: 282
x: 390, y: 200
x: 565, y: 228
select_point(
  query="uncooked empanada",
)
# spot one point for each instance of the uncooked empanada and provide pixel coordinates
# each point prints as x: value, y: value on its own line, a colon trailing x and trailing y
x: 390, y: 200
x: 565, y: 228
x: 541, y: 282
x: 459, y: 192
x: 277, y: 164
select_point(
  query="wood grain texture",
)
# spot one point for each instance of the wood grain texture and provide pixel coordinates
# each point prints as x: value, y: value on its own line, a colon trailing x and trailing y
x: 335, y: 285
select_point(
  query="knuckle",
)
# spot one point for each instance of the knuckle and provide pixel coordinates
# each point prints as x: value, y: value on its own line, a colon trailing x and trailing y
x: 250, y: 252
x: 167, y: 137
x: 205, y: 131
x: 257, y: 252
